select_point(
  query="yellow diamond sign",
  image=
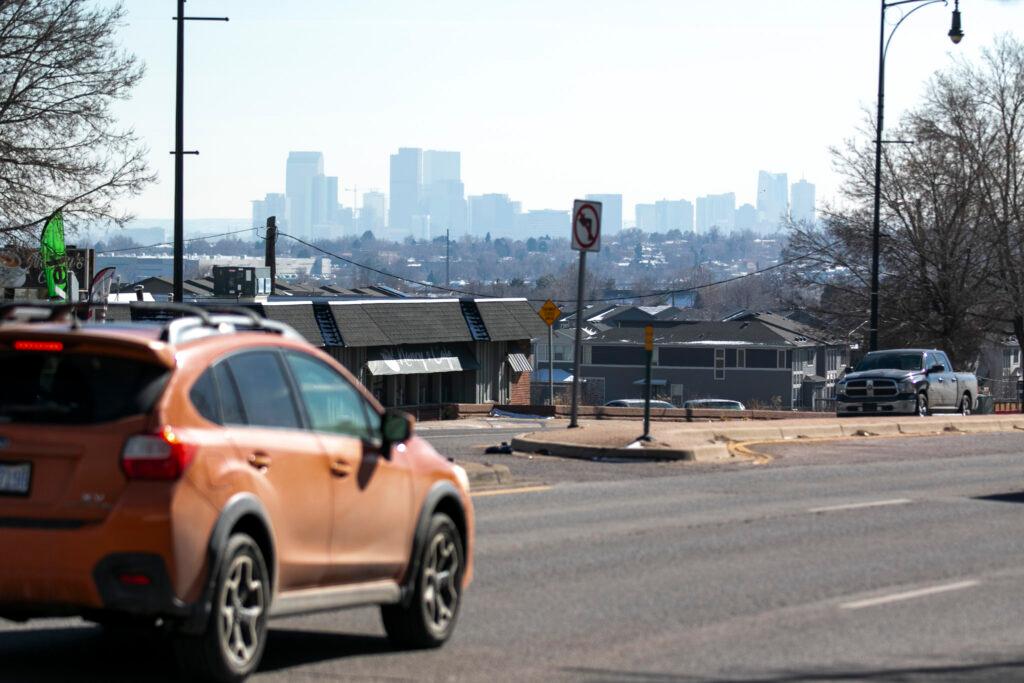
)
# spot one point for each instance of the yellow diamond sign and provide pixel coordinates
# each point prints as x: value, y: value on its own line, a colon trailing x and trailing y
x: 549, y: 312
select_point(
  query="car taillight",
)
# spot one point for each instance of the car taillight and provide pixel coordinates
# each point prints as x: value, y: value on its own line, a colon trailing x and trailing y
x: 33, y: 345
x: 162, y: 456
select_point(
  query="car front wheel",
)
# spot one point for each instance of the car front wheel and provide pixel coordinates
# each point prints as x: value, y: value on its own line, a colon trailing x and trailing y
x: 429, y: 618
x: 232, y: 644
x: 922, y: 404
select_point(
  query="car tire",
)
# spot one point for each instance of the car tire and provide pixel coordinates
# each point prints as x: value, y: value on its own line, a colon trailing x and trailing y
x: 232, y: 644
x: 965, y: 404
x: 922, y: 405
x: 429, y: 618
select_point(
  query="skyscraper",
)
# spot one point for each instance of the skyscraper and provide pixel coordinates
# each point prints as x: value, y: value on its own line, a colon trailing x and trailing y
x: 772, y: 199
x: 716, y: 210
x: 443, y: 195
x: 273, y: 204
x: 802, y: 197
x: 303, y: 172
x: 674, y: 215
x: 373, y: 215
x: 611, y: 212
x: 646, y: 217
x: 491, y: 213
x: 746, y: 217
x: 406, y: 183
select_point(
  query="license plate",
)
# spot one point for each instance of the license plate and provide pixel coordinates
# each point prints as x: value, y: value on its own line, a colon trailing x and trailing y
x: 870, y: 407
x: 15, y: 478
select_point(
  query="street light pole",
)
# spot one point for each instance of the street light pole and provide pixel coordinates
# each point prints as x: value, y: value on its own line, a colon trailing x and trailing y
x: 956, y: 35
x: 178, y: 275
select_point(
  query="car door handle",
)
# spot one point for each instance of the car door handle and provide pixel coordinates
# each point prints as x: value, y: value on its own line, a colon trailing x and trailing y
x: 259, y: 460
x: 340, y: 468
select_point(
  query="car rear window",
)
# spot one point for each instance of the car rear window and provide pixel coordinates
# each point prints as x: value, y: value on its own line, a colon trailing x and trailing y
x: 73, y: 388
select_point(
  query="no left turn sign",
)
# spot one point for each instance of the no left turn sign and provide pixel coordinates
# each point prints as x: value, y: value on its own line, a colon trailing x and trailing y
x: 586, y: 225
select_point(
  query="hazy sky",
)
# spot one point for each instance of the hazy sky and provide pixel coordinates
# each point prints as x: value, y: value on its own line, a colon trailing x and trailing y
x: 546, y: 100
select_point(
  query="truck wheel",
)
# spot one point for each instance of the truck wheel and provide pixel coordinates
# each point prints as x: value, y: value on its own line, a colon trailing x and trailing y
x: 922, y: 404
x: 429, y: 619
x: 965, y: 404
x: 232, y: 645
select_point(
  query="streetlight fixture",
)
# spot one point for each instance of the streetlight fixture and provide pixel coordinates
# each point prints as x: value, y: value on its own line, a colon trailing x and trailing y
x: 955, y: 34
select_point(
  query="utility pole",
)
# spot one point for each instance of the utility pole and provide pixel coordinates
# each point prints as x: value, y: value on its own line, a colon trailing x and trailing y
x: 270, y: 253
x: 447, y: 257
x: 179, y: 152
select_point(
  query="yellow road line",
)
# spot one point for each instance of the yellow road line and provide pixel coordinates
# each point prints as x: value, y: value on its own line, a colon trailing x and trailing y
x: 506, y: 492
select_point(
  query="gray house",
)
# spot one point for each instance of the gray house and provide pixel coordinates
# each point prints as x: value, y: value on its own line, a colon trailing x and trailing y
x: 758, y: 359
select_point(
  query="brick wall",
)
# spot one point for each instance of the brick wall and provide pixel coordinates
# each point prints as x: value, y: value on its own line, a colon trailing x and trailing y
x: 519, y: 389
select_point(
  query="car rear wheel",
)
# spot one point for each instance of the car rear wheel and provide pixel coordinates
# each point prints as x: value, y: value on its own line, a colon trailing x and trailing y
x: 429, y: 618
x: 965, y: 404
x: 922, y: 404
x: 232, y: 644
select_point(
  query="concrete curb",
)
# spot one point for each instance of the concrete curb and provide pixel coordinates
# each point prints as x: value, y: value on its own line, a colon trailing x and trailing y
x: 713, y: 444
x: 698, y: 452
x: 486, y: 474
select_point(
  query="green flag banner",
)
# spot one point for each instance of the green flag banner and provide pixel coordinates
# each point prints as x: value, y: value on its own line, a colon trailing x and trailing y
x: 53, y: 255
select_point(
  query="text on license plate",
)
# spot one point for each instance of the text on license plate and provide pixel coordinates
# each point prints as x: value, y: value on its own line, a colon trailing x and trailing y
x: 15, y: 478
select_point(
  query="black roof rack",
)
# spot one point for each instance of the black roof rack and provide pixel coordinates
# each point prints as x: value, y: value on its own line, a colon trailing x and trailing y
x: 181, y: 321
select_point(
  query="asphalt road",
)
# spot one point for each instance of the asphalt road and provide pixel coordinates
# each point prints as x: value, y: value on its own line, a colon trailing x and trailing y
x: 874, y: 559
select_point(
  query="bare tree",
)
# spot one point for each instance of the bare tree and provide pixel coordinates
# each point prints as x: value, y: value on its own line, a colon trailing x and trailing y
x: 60, y: 146
x: 934, y: 264
x: 981, y: 109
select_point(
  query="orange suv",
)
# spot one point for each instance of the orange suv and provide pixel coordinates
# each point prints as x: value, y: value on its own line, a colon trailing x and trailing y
x: 210, y: 472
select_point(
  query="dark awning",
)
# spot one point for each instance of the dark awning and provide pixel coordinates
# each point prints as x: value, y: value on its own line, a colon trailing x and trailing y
x: 519, y: 362
x: 418, y: 361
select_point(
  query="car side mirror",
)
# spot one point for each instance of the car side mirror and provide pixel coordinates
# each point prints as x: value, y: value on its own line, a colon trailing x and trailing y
x: 936, y: 368
x: 848, y: 369
x: 395, y: 427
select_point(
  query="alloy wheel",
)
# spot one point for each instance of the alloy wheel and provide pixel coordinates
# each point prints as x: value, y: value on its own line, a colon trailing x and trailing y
x: 440, y: 581
x: 242, y: 603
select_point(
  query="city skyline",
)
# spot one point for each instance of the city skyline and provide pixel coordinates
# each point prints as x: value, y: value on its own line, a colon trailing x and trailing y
x: 357, y: 81
x: 427, y: 197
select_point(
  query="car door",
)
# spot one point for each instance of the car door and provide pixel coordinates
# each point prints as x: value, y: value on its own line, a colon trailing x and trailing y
x: 292, y: 473
x: 373, y: 515
x: 942, y: 386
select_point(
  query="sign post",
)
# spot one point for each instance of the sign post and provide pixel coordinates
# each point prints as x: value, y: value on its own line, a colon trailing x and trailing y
x: 649, y: 348
x: 549, y: 313
x: 586, y: 236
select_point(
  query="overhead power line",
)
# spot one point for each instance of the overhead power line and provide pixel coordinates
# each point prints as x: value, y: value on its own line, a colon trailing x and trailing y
x: 170, y: 243
x: 661, y: 293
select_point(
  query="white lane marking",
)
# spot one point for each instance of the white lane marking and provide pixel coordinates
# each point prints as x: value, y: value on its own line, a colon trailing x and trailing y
x: 859, y: 506
x: 507, y: 492
x: 909, y: 595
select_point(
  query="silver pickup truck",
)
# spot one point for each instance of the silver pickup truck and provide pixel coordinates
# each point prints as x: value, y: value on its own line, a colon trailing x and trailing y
x: 907, y: 381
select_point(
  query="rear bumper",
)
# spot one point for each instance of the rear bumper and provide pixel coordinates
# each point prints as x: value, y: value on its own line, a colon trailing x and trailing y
x: 68, y: 566
x: 897, y: 406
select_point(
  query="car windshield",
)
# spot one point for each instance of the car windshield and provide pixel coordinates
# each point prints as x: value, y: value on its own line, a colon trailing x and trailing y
x: 891, y: 361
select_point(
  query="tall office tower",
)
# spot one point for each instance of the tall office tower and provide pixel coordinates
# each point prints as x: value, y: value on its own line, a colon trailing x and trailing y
x: 772, y: 199
x: 673, y: 215
x: 331, y: 207
x: 611, y: 212
x: 646, y: 217
x: 273, y: 204
x: 444, y: 196
x: 716, y: 210
x: 405, y: 188
x: 373, y: 215
x: 802, y: 197
x: 303, y: 170
x: 746, y: 217
x: 491, y: 213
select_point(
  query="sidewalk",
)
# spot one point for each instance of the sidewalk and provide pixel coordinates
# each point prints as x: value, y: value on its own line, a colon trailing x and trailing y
x: 710, y: 441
